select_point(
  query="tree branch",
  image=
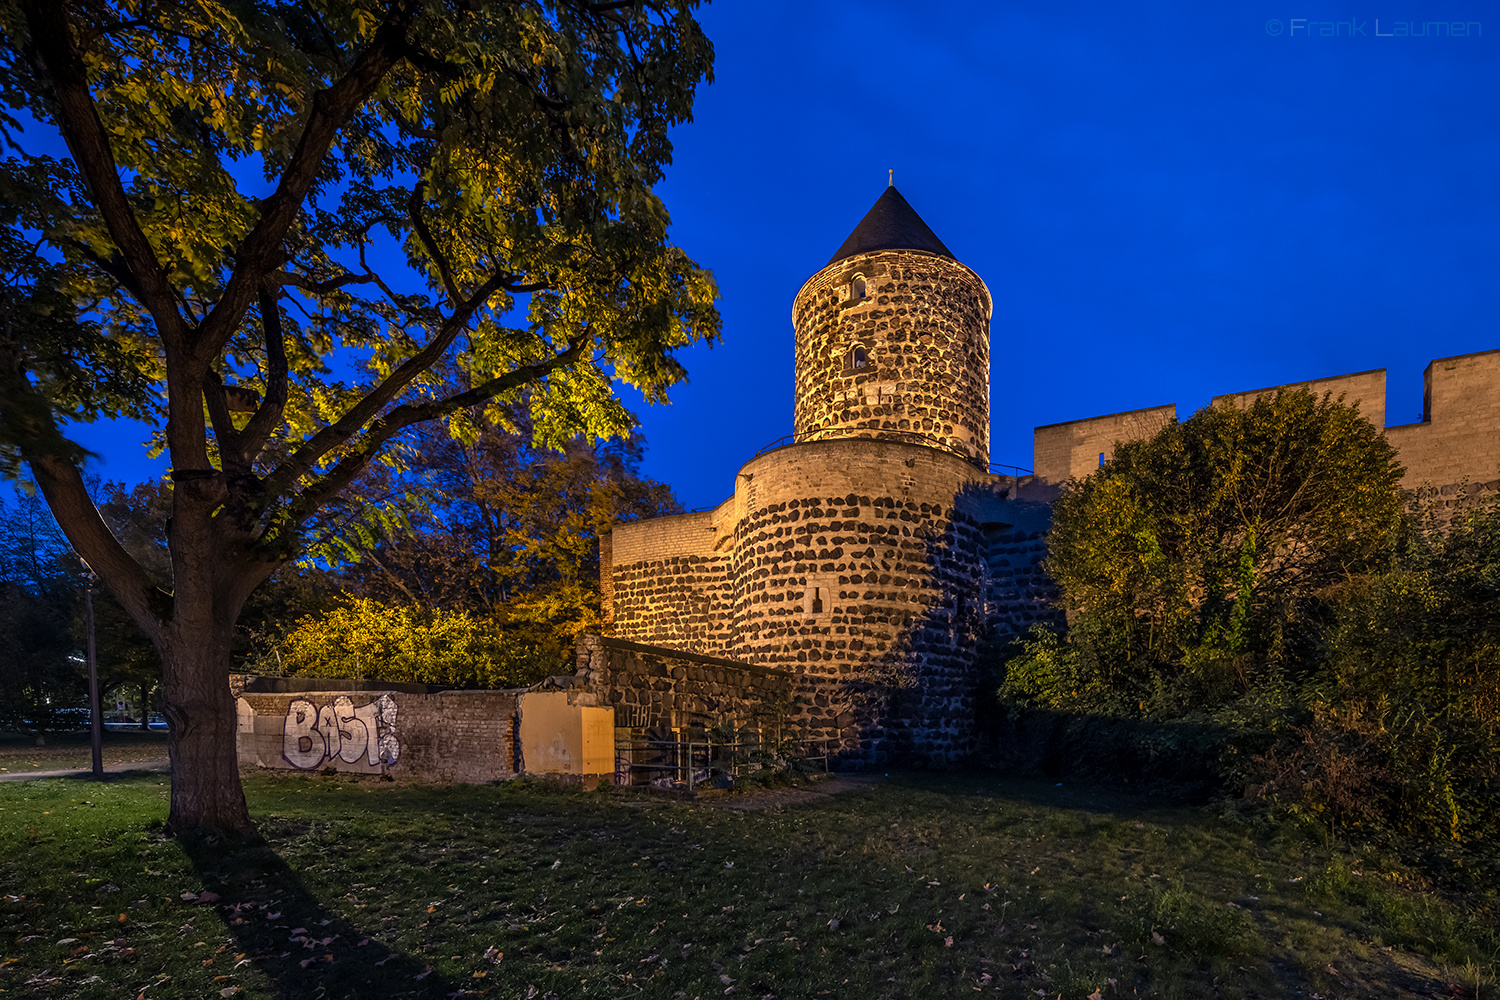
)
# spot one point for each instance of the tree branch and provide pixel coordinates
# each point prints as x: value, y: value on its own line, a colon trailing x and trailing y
x: 404, y: 416
x: 322, y: 287
x: 52, y: 34
x: 268, y: 416
x: 445, y: 270
x: 261, y: 251
x: 362, y: 412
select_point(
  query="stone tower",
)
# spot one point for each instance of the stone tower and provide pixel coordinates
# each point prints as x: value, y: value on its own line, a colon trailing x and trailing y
x: 892, y: 340
x: 852, y: 558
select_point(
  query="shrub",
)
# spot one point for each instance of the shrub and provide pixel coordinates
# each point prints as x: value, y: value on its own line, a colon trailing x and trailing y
x: 366, y: 639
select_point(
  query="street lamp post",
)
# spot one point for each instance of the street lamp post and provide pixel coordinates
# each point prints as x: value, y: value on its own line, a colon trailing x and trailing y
x: 96, y: 718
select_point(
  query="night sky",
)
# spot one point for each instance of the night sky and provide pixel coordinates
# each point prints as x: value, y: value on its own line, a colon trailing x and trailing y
x: 1167, y: 203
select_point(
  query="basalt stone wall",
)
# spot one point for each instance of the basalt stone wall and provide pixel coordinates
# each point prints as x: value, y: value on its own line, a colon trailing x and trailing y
x: 922, y: 325
x: 650, y: 687
x: 858, y: 564
x: 1018, y: 593
x: 667, y: 581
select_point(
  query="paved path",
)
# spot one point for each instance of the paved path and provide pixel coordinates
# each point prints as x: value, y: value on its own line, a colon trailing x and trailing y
x: 149, y: 766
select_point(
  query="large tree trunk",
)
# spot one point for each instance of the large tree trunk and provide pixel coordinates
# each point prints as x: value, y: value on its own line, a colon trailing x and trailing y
x: 206, y: 790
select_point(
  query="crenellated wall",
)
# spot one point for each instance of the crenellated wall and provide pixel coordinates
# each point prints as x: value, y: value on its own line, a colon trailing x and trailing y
x: 1071, y: 450
x: 1456, y: 442
x: 1458, y: 439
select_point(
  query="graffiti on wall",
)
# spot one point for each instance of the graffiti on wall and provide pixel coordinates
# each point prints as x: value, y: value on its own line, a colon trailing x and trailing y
x: 312, y: 734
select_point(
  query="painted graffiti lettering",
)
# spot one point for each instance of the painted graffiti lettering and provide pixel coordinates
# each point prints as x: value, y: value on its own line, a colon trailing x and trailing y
x: 312, y: 734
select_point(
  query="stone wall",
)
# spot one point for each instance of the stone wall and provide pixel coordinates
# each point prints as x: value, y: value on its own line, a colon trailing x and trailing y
x: 1018, y: 591
x: 1458, y: 439
x: 444, y: 736
x: 1365, y: 389
x: 1071, y: 450
x: 650, y: 687
x: 858, y: 565
x: 923, y: 327
x: 667, y: 580
x: 1454, y: 443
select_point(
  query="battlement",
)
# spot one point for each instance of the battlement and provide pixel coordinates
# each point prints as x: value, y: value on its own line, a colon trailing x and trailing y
x: 1457, y: 439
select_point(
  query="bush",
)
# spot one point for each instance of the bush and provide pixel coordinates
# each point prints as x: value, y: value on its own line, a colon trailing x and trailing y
x: 366, y: 639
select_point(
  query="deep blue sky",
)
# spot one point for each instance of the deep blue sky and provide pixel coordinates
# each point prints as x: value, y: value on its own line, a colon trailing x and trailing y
x: 1167, y: 202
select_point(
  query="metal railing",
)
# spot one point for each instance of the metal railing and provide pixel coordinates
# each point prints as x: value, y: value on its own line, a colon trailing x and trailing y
x: 694, y: 760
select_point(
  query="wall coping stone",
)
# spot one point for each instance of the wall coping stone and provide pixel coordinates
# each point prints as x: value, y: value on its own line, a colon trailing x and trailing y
x: 256, y: 684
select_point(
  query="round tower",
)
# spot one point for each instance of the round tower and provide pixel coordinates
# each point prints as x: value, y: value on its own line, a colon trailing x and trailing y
x: 893, y: 340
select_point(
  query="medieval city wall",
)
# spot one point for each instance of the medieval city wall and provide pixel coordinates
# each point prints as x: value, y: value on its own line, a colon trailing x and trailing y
x: 1457, y: 442
x: 654, y: 688
x: 1364, y: 389
x: 1071, y: 450
x: 1458, y: 439
x: 922, y: 324
x: 667, y: 580
x: 858, y: 565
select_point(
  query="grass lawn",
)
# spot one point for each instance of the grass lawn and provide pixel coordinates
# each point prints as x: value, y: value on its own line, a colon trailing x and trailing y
x: 918, y: 885
x: 19, y: 753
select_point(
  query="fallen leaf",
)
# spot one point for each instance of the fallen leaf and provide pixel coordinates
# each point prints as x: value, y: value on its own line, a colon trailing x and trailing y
x: 1096, y: 995
x: 948, y: 941
x: 1157, y: 938
x: 209, y: 897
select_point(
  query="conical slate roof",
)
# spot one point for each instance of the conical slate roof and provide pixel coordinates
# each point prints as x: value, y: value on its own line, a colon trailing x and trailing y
x: 891, y: 224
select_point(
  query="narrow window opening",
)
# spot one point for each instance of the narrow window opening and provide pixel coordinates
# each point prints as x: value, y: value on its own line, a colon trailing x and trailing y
x: 817, y: 600
x: 857, y: 288
x: 1101, y: 458
x: 859, y: 358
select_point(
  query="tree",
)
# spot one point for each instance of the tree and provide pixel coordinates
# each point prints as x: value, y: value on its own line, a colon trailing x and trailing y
x: 41, y: 688
x: 506, y: 525
x: 275, y: 220
x: 1214, y: 547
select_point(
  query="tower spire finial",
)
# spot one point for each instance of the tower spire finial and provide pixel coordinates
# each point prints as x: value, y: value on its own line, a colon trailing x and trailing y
x: 891, y: 179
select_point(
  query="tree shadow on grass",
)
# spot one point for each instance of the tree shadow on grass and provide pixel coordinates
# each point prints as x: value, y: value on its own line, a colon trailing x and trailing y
x: 302, y: 946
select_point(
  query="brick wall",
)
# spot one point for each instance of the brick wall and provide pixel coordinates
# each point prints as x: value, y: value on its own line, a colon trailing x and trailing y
x: 445, y: 736
x: 924, y: 327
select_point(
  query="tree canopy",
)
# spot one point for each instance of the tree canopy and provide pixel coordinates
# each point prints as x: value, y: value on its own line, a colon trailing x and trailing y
x: 275, y: 221
x: 1214, y: 545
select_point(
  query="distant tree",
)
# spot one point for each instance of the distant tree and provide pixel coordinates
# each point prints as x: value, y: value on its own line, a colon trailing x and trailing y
x: 1195, y: 557
x: 275, y: 220
x: 41, y: 688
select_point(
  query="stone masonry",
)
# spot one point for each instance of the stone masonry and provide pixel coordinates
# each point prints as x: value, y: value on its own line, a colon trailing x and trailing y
x: 894, y: 345
x: 863, y: 562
